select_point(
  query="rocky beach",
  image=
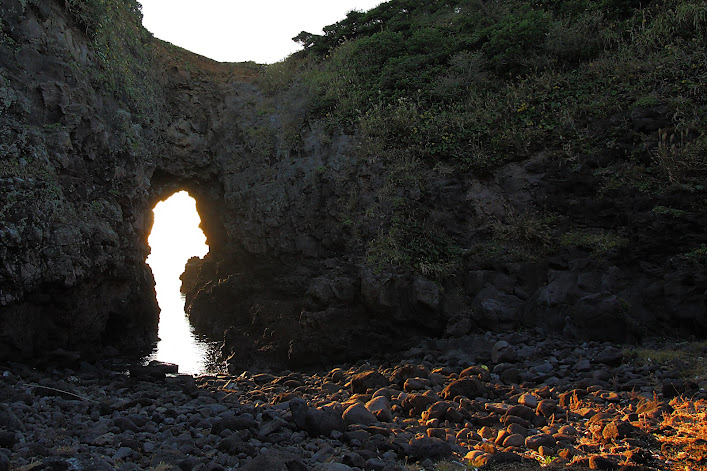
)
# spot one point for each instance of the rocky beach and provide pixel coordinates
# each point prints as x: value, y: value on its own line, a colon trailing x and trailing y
x: 490, y: 401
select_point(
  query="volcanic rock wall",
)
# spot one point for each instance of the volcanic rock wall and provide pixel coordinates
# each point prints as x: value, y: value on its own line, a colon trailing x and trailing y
x: 74, y: 179
x: 289, y: 209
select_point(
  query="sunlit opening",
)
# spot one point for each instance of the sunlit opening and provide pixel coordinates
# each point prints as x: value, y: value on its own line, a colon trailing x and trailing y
x: 175, y: 238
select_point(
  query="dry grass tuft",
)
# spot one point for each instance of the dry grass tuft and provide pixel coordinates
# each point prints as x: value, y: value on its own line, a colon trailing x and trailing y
x: 683, y: 433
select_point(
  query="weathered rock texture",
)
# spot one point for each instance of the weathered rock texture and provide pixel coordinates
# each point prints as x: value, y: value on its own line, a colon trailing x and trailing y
x: 289, y: 210
x: 75, y: 167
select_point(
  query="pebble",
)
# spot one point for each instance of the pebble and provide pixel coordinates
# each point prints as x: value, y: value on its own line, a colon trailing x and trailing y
x: 528, y: 400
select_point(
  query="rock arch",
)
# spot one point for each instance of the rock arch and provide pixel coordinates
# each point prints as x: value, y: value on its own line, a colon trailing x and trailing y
x: 286, y: 221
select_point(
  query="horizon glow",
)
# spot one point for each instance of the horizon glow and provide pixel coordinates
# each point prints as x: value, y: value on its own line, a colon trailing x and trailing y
x: 241, y: 31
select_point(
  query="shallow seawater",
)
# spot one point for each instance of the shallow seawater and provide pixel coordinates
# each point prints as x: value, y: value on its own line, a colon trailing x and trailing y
x: 178, y: 343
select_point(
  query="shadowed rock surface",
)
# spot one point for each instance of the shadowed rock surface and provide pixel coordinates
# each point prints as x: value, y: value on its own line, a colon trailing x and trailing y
x: 90, y: 144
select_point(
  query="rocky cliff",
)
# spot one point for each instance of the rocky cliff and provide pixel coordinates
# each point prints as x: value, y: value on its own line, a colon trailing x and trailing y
x: 320, y: 249
x: 75, y: 165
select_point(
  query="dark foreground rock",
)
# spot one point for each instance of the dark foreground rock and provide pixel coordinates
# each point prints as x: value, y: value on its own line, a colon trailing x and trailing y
x: 604, y: 417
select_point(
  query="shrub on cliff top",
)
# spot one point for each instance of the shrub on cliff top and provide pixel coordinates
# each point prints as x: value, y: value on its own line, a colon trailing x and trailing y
x: 120, y: 43
x: 468, y: 85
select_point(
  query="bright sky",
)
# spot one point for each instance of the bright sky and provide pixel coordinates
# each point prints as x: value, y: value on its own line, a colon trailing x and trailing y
x: 243, y: 30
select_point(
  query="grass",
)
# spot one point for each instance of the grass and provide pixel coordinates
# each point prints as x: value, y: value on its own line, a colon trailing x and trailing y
x: 688, y: 358
x: 450, y: 85
x: 683, y: 432
x: 697, y: 255
x: 123, y: 58
x: 599, y: 241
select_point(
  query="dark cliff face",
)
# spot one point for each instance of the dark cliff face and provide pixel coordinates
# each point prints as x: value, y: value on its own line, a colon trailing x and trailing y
x: 299, y: 221
x: 74, y: 170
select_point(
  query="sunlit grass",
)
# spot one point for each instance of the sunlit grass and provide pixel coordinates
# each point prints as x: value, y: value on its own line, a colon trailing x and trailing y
x: 684, y: 432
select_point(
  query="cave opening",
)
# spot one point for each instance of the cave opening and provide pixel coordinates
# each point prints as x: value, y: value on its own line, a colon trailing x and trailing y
x: 175, y: 238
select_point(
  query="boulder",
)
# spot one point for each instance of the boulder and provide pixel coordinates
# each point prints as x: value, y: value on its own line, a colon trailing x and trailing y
x: 323, y: 421
x: 358, y: 414
x: 362, y: 382
x: 467, y: 387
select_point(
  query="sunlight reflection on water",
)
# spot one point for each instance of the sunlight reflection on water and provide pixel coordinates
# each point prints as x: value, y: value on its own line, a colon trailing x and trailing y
x: 174, y: 239
x: 178, y: 343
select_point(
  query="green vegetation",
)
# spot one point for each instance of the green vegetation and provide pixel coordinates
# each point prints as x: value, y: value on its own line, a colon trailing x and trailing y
x: 601, y: 242
x: 698, y: 255
x: 663, y: 211
x: 121, y: 45
x: 686, y: 358
x: 465, y: 86
x: 411, y: 243
x: 478, y: 83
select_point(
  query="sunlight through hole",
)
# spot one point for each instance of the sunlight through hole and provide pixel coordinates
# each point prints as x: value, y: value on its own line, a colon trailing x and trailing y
x: 174, y: 239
